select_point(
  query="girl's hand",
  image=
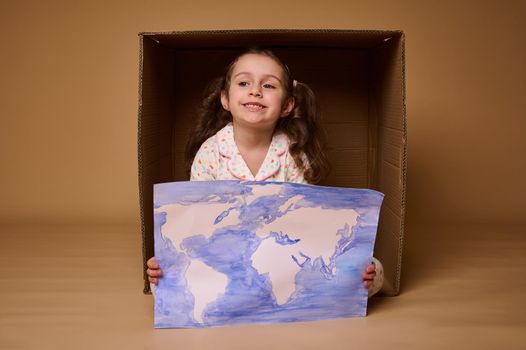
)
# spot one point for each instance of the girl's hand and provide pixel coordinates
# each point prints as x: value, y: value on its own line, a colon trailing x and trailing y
x: 154, y: 271
x: 368, y: 275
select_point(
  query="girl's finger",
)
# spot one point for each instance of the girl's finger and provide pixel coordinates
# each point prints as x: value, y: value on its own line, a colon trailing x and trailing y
x: 151, y: 263
x: 154, y: 273
x: 369, y: 275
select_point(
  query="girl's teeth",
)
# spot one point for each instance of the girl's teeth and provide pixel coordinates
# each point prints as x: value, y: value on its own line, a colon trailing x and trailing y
x: 253, y: 106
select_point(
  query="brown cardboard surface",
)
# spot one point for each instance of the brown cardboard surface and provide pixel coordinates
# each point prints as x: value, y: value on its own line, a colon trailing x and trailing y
x: 154, y: 128
x: 392, y: 149
x: 357, y: 76
x: 389, y: 247
x: 348, y: 167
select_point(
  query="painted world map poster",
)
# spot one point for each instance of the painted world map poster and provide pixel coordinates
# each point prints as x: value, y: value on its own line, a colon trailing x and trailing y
x: 236, y: 252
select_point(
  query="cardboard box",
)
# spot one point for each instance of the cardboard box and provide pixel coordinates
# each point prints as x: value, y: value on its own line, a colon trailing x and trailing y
x: 358, y: 77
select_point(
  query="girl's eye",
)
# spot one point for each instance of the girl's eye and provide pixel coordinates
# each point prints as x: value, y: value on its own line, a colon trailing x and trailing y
x: 268, y: 86
x: 242, y: 83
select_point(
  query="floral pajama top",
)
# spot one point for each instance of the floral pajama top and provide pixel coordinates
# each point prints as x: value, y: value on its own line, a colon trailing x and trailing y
x: 219, y: 159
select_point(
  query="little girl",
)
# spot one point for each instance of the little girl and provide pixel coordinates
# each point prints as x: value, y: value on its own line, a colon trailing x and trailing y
x: 257, y: 123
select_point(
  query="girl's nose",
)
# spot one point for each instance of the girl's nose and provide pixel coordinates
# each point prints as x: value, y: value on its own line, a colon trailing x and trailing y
x: 255, y: 91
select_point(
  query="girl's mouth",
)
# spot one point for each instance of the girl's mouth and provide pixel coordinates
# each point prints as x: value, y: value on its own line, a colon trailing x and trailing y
x: 253, y: 106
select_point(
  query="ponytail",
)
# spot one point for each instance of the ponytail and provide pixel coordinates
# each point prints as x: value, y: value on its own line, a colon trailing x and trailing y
x: 302, y: 126
x: 211, y: 117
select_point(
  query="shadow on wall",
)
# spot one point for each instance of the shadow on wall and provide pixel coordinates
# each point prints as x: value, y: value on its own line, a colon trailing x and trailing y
x: 428, y: 245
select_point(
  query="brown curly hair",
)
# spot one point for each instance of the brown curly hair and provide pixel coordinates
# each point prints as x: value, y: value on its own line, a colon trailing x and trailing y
x: 302, y: 125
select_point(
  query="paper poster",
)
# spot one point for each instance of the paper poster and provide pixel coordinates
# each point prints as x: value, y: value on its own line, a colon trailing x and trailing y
x: 236, y: 252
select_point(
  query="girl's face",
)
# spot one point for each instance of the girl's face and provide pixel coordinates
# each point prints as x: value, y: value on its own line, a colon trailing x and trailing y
x: 256, y: 95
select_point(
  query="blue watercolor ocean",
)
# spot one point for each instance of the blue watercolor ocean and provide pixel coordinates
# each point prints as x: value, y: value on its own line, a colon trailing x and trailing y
x: 323, y: 289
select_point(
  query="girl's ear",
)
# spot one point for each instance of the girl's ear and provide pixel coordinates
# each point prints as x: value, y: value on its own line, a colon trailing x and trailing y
x: 288, y: 107
x: 224, y: 100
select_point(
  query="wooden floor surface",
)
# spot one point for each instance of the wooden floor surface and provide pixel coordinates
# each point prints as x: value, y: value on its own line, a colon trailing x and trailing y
x: 80, y: 287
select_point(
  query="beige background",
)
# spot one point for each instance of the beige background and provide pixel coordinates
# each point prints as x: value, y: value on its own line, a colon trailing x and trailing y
x: 68, y: 168
x: 69, y: 74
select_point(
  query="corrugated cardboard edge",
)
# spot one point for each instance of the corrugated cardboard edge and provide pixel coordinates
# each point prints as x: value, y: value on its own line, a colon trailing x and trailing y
x: 146, y: 289
x: 404, y: 171
x: 273, y: 31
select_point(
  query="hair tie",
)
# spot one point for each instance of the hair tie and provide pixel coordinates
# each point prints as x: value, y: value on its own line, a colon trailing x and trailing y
x: 294, y: 83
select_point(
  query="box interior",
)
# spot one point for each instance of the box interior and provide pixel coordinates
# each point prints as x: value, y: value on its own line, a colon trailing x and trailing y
x: 358, y: 79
